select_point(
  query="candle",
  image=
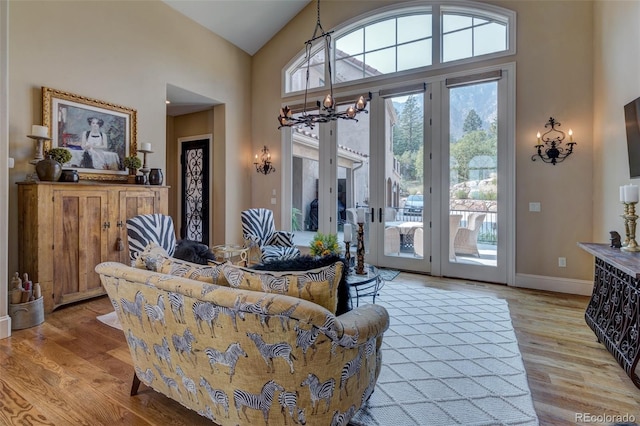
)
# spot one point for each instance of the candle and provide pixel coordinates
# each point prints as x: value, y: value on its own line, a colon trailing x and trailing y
x: 570, y: 135
x: 631, y: 194
x: 360, y: 215
x: 347, y: 232
x: 538, y: 136
x: 40, y: 131
x: 622, y: 197
x: 145, y: 146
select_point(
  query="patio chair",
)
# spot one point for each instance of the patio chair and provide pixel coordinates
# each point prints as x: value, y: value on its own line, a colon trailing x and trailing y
x: 259, y: 233
x: 418, y: 242
x: 466, y: 240
x: 392, y: 240
x: 454, y: 224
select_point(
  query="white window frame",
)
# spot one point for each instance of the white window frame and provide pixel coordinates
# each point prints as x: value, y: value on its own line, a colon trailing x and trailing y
x: 406, y: 9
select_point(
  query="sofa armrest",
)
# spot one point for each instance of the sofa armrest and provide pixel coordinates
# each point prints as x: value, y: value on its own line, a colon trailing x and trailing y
x: 365, y: 322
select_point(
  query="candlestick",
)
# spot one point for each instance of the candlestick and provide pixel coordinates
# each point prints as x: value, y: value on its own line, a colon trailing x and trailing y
x: 360, y: 250
x: 631, y: 218
x: 145, y: 168
x: 347, y: 253
x: 626, y: 225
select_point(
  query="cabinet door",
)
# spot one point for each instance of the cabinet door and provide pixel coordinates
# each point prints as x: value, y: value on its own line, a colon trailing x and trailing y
x: 133, y: 203
x: 80, y: 229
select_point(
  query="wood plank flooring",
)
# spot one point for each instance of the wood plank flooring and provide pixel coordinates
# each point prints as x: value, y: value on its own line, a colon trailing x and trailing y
x: 74, y: 370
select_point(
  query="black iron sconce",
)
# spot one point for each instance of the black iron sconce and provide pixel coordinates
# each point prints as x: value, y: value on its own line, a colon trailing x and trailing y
x: 264, y: 165
x: 550, y: 142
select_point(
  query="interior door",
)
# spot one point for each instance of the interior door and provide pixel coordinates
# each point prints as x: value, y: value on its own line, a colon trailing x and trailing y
x: 194, y: 174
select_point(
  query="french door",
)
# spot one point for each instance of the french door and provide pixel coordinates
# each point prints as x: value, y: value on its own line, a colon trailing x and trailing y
x: 430, y: 165
x: 194, y: 187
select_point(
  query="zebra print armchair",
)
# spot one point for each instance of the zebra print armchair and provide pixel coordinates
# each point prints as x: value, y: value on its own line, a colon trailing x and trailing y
x: 246, y: 357
x: 259, y: 233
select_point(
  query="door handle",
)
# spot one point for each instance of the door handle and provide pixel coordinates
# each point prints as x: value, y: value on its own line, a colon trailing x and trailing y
x: 373, y: 214
x: 380, y: 214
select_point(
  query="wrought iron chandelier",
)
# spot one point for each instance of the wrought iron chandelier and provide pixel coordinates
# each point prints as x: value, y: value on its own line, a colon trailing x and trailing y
x: 550, y: 142
x: 263, y: 164
x: 327, y: 108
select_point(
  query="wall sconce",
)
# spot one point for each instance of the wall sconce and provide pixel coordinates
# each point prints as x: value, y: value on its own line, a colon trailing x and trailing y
x: 551, y: 140
x: 264, y: 165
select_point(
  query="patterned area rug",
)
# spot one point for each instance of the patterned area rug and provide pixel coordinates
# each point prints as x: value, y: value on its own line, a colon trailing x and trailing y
x: 448, y: 359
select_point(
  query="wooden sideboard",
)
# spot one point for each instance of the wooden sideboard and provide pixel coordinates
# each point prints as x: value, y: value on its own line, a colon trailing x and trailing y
x: 66, y: 229
x: 613, y: 312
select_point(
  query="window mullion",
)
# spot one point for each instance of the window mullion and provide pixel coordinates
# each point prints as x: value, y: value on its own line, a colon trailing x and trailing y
x: 436, y: 33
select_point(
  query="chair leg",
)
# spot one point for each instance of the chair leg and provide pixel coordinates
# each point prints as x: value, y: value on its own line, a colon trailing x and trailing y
x: 135, y: 385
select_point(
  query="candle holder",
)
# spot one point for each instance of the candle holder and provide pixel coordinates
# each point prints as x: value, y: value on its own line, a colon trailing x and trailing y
x: 630, y: 223
x: 360, y: 250
x: 626, y: 225
x: 39, y: 151
x: 145, y: 168
x: 347, y: 253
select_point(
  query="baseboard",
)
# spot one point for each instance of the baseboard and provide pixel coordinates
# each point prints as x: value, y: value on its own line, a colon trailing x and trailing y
x: 5, y: 327
x: 561, y: 285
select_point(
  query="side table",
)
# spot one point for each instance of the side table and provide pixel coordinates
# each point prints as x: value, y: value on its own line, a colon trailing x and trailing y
x: 230, y: 252
x: 368, y: 284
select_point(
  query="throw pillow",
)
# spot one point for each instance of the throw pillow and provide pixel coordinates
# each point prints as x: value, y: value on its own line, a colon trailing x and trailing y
x: 194, y: 252
x: 155, y: 258
x: 304, y: 263
x: 319, y: 285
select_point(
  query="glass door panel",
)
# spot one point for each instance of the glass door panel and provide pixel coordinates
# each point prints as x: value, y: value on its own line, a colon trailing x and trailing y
x: 476, y: 192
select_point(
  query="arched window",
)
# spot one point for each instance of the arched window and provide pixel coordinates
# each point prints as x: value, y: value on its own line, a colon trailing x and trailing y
x: 409, y: 38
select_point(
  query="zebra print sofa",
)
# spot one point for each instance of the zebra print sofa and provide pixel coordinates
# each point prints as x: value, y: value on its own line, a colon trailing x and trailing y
x: 244, y: 357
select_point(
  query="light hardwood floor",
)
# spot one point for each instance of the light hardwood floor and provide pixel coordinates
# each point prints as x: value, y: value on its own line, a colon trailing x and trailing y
x: 74, y: 370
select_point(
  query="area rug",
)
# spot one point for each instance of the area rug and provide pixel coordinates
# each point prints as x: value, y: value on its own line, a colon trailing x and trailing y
x: 388, y: 274
x: 449, y: 358
x: 110, y: 319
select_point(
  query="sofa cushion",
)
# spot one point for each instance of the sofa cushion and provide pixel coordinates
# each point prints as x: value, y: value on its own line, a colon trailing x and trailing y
x: 304, y: 263
x: 155, y: 258
x: 319, y: 285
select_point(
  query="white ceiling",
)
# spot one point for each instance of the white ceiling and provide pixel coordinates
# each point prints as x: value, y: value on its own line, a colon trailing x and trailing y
x: 248, y: 24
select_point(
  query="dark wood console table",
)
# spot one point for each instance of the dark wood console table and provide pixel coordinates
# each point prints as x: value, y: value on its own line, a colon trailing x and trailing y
x: 613, y: 312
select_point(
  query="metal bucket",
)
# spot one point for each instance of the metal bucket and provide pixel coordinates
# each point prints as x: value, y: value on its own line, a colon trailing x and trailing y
x: 25, y: 315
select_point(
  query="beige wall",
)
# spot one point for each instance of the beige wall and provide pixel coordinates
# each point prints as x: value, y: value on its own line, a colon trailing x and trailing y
x: 554, y: 78
x: 126, y: 53
x: 617, y: 82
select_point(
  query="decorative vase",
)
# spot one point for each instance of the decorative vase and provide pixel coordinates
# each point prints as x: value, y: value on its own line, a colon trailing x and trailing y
x: 48, y: 169
x: 139, y: 179
x: 69, y: 175
x: 155, y: 177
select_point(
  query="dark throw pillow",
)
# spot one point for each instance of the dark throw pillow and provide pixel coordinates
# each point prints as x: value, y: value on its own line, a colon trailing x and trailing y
x: 194, y: 252
x: 305, y: 263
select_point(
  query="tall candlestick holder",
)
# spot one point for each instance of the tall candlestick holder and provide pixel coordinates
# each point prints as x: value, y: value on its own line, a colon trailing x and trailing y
x: 630, y: 222
x: 145, y: 168
x: 39, y: 151
x: 360, y: 250
x: 347, y: 253
x: 626, y: 225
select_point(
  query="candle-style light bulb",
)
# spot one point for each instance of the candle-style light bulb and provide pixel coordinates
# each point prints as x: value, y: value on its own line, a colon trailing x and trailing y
x: 351, y: 112
x: 361, y: 103
x: 328, y: 101
x: 570, y: 135
x: 538, y: 136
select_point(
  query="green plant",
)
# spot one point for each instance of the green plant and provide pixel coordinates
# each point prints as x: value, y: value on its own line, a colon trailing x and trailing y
x: 324, y: 244
x: 61, y: 155
x: 295, y: 219
x: 461, y: 194
x: 132, y: 162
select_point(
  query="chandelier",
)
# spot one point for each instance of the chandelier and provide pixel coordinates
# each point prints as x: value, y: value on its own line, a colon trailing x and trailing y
x: 327, y: 108
x: 263, y: 165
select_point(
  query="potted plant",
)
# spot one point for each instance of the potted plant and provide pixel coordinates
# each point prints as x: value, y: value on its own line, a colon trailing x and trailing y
x: 50, y: 169
x: 133, y: 163
x: 324, y: 244
x: 61, y: 155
